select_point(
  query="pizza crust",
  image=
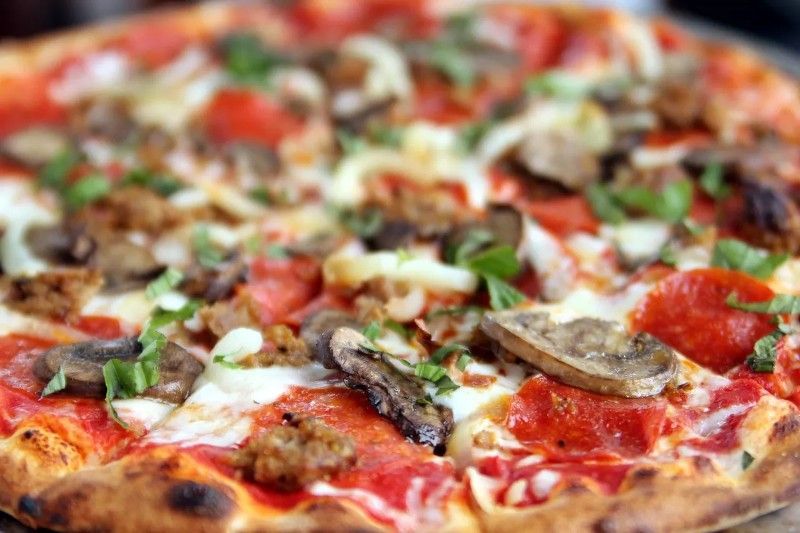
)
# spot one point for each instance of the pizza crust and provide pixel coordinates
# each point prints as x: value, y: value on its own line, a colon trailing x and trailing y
x: 669, y: 504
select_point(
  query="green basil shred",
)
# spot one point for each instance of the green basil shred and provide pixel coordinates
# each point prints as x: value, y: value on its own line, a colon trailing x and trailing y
x: 57, y: 383
x: 734, y: 254
x: 168, y: 280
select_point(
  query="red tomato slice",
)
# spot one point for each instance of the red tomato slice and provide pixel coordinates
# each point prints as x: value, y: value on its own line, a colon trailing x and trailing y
x: 687, y: 310
x: 282, y: 286
x: 563, y: 216
x: 540, y: 34
x: 242, y: 115
x: 99, y: 327
x: 25, y: 101
x: 568, y: 422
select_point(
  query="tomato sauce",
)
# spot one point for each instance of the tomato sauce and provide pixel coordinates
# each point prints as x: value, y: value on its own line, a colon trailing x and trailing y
x: 20, y: 390
x: 282, y: 287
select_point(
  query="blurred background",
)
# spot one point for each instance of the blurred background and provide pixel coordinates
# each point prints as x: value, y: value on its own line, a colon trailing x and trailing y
x: 774, y: 23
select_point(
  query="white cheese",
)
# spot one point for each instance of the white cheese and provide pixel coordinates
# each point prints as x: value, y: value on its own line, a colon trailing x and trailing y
x: 638, y: 240
x: 216, y: 413
x: 238, y: 344
x: 388, y: 74
x: 20, y: 209
x: 584, y: 302
x: 467, y: 401
x: 543, y: 482
x: 353, y: 270
x: 145, y: 411
x: 555, y: 267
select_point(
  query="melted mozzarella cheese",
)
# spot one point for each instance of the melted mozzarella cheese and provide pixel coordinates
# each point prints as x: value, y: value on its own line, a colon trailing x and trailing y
x: 20, y: 209
x: 555, y: 267
x: 216, y: 412
x: 131, y: 307
x: 388, y: 74
x: 584, y: 302
x: 638, y: 240
x: 467, y: 401
x: 353, y: 270
x: 144, y: 411
x: 543, y: 482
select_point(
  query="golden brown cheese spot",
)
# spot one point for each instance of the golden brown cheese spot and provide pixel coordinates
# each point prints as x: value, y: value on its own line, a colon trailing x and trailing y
x: 283, y: 348
x: 57, y: 294
x: 291, y: 456
x: 132, y: 209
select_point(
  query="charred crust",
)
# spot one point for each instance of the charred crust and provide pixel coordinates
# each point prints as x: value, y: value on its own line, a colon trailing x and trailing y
x: 199, y: 499
x: 29, y: 505
x: 786, y: 426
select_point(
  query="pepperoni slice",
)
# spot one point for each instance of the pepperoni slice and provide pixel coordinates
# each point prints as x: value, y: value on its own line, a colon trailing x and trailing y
x: 282, y: 286
x: 25, y: 101
x: 242, y: 115
x: 687, y: 310
x: 567, y: 422
x: 564, y: 215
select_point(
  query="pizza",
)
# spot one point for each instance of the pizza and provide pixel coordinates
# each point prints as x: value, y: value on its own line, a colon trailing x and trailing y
x: 396, y: 265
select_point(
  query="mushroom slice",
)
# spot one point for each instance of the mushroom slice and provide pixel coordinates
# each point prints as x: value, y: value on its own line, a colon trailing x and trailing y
x: 592, y: 354
x: 392, y: 393
x: 215, y: 284
x: 83, y: 367
x: 318, y: 323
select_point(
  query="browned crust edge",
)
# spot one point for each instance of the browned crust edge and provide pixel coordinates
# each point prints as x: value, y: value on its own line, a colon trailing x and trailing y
x: 671, y: 504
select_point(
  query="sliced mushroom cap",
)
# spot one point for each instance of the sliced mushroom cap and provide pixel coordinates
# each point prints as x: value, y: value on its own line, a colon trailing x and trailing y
x: 215, y: 284
x: 592, y: 354
x: 560, y: 157
x: 125, y: 265
x: 328, y: 319
x: 393, y: 394
x: 256, y: 158
x: 506, y: 224
x: 83, y: 367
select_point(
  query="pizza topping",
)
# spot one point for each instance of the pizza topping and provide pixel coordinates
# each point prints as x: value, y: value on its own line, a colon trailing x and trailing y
x: 82, y: 365
x: 318, y: 323
x: 737, y: 255
x: 595, y: 355
x: 294, y: 455
x: 281, y: 348
x: 688, y: 311
x: 560, y: 157
x: 568, y: 422
x: 393, y: 394
x: 771, y: 218
x: 215, y: 283
x: 59, y: 294
x: 35, y: 147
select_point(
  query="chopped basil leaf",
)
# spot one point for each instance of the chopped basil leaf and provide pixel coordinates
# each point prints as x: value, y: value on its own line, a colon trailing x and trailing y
x: 387, y: 135
x: 246, y: 58
x: 463, y: 361
x: 372, y: 330
x: 364, y: 224
x: 764, y: 353
x: 350, y: 143
x: 712, y: 181
x: 261, y: 195
x: 473, y: 241
x: 161, y: 184
x: 54, y: 174
x: 780, y: 304
x: 471, y: 134
x: 603, y: 204
x: 205, y: 251
x: 734, y: 254
x: 501, y: 294
x: 460, y: 27
x: 168, y: 280
x: 397, y: 327
x: 429, y: 371
x: 276, y: 251
x: 499, y: 261
x: 747, y: 460
x: 559, y: 84
x: 57, y: 383
x: 113, y: 388
x: 693, y: 227
x: 445, y: 385
x: 439, y: 355
x: 672, y: 204
x: 452, y: 61
x: 86, y: 190
x: 222, y: 361
x: 667, y: 255
x: 162, y: 317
